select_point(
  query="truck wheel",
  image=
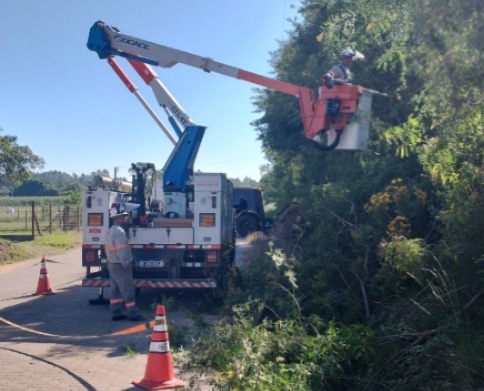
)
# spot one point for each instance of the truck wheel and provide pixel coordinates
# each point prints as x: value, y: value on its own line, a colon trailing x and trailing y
x: 247, y: 224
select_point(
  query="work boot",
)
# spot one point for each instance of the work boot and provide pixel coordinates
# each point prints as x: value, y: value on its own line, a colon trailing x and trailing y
x: 115, y: 318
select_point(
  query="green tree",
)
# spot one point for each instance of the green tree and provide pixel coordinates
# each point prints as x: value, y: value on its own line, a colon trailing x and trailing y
x: 74, y: 194
x: 403, y: 220
x: 248, y: 182
x: 16, y: 161
x: 34, y: 189
x: 56, y: 180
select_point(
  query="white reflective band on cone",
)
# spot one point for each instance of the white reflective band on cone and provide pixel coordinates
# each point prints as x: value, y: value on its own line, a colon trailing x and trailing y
x: 161, y: 328
x: 160, y: 347
x: 160, y: 324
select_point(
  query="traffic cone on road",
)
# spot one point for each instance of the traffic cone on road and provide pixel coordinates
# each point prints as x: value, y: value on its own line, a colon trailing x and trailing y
x: 159, y: 374
x: 43, y: 286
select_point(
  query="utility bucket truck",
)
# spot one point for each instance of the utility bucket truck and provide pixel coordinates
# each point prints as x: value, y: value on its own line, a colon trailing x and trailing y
x: 183, y: 235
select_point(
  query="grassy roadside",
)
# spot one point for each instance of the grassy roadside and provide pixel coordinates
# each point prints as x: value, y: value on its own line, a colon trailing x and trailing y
x: 47, y: 244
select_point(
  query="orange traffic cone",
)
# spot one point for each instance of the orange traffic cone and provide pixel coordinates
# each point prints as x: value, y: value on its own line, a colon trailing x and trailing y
x: 159, y: 373
x: 43, y: 286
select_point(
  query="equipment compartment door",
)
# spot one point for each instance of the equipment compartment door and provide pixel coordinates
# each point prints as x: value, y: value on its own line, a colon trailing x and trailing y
x: 142, y: 236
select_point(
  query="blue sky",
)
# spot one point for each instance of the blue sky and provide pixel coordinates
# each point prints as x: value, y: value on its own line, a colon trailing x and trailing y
x: 69, y: 107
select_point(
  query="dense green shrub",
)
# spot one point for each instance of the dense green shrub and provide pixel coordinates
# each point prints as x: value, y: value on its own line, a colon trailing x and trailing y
x: 249, y: 354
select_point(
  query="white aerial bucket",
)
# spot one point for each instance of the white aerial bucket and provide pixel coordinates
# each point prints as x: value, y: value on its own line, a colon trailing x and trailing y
x: 355, y: 134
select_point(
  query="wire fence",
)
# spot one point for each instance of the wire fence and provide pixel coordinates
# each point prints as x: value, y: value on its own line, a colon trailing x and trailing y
x: 22, y: 219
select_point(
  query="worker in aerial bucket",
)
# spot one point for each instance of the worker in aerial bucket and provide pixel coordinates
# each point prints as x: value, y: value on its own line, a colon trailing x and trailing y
x: 341, y: 74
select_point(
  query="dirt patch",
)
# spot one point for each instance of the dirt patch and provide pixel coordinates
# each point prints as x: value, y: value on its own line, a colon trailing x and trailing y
x: 11, y: 252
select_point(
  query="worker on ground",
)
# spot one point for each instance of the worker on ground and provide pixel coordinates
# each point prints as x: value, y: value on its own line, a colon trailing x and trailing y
x: 341, y: 74
x: 119, y: 257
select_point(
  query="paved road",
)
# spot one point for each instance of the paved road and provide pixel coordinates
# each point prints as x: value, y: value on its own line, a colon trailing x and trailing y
x: 79, y: 356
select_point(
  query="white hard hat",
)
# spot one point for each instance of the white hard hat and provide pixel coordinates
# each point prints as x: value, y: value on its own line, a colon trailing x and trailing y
x: 348, y: 52
x: 354, y: 54
x: 115, y: 213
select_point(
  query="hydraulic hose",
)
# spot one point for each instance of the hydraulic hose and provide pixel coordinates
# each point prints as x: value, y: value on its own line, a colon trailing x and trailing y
x: 332, y: 146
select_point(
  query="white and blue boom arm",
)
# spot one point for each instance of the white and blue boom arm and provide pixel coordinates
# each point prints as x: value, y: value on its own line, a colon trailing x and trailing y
x: 179, y: 167
x: 108, y: 41
x: 134, y: 90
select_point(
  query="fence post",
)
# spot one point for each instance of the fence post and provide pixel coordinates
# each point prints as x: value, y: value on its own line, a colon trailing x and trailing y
x: 65, y: 217
x: 33, y: 220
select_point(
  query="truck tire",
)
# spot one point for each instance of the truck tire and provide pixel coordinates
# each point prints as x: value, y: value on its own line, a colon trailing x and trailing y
x: 247, y: 224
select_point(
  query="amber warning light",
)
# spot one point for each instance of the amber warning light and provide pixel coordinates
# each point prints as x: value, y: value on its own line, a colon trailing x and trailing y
x: 95, y: 219
x: 207, y: 219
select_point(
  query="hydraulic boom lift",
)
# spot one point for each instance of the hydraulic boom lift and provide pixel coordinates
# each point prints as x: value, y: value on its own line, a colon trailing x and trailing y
x: 338, y: 119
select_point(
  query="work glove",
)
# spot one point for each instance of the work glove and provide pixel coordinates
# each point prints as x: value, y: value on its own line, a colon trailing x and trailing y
x: 328, y: 80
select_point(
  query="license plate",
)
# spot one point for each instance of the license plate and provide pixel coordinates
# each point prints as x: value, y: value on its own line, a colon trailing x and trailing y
x: 151, y: 263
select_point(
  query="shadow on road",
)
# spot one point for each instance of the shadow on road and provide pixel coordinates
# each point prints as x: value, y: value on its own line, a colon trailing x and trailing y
x: 71, y: 321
